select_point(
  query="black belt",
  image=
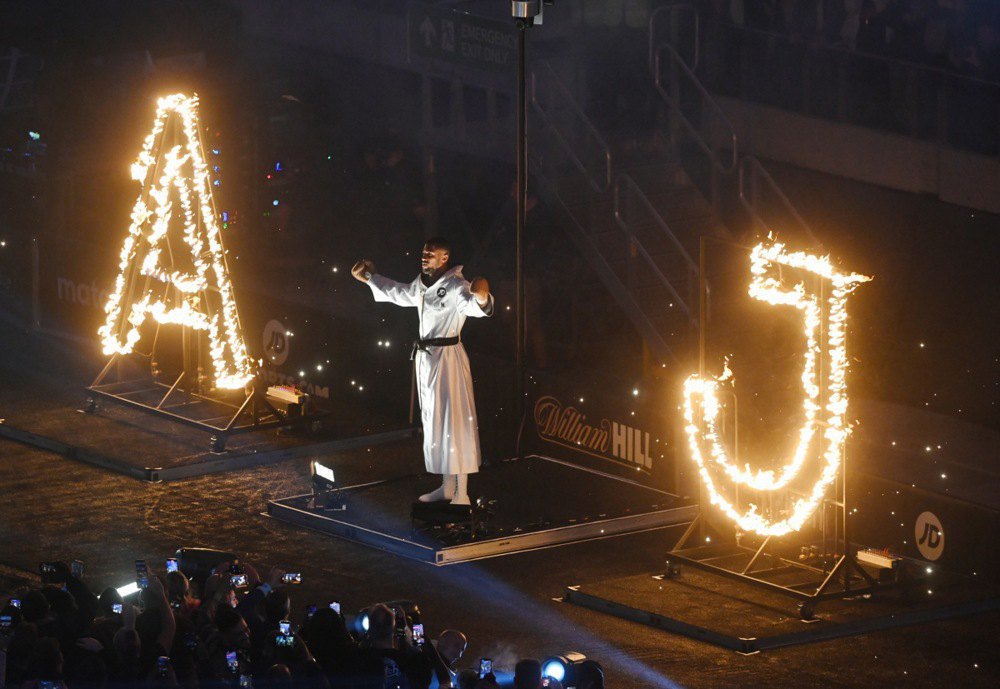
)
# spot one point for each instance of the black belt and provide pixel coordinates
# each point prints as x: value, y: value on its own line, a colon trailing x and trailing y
x: 422, y: 345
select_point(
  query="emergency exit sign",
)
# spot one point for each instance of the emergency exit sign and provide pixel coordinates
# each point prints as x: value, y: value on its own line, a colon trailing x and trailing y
x: 456, y: 38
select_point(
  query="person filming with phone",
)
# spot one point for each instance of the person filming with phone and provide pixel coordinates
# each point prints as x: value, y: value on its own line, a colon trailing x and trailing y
x: 388, y: 659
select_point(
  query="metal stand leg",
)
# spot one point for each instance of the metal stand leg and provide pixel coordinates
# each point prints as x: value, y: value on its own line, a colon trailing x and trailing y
x: 753, y: 560
x: 217, y: 444
x: 695, y: 525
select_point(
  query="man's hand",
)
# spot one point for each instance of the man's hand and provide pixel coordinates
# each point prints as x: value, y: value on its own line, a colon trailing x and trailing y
x: 129, y: 613
x: 156, y: 588
x: 275, y: 576
x: 253, y: 578
x: 89, y: 644
x: 480, y: 290
x: 363, y: 270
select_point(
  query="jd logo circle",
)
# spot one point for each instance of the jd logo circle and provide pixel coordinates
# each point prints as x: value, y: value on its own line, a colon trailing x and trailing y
x: 276, y: 342
x: 929, y: 535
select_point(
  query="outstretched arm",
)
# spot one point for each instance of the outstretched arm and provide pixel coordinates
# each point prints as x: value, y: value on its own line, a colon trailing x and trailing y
x: 384, y: 289
x: 476, y: 299
x: 156, y: 597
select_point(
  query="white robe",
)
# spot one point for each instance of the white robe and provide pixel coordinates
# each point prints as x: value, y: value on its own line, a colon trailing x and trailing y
x: 444, y: 379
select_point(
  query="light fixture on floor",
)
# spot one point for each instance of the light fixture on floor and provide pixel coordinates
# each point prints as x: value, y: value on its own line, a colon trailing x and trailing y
x: 322, y: 475
x: 563, y: 667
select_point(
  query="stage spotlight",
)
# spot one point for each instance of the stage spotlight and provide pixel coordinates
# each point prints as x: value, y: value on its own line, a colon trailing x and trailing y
x: 358, y: 624
x: 322, y: 475
x: 563, y: 667
x: 526, y: 9
x: 673, y: 569
x: 128, y: 589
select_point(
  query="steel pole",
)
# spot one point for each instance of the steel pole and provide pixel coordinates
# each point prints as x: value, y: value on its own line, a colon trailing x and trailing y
x: 702, y: 305
x: 522, y: 191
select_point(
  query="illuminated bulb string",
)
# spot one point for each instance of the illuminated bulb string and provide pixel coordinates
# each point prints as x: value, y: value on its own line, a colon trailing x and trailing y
x: 233, y: 367
x: 769, y: 289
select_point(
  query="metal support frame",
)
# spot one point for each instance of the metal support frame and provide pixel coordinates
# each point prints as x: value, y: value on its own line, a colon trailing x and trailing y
x: 239, y: 414
x: 520, y: 337
x: 838, y: 576
x: 228, y: 415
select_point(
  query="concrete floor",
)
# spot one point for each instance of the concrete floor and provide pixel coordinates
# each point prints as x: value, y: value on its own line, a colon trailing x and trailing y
x: 56, y: 508
x: 52, y: 507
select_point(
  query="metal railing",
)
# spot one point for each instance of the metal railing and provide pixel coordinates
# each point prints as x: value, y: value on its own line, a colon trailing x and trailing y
x: 751, y: 178
x: 666, y: 17
x: 582, y: 237
x: 709, y: 109
x: 15, y: 91
x: 559, y: 102
x: 626, y: 199
x: 754, y: 181
x: 574, y: 132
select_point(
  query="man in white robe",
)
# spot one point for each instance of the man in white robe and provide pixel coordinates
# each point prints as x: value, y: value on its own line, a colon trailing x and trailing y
x: 443, y: 299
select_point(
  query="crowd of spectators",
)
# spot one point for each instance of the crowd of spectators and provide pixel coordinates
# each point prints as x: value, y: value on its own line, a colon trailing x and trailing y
x: 962, y: 35
x: 929, y: 69
x: 225, y: 627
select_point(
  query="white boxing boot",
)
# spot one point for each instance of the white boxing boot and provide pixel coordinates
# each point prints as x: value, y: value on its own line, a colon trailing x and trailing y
x: 461, y: 495
x: 445, y: 492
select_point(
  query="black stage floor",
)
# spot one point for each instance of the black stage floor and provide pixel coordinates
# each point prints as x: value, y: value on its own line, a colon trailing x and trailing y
x: 528, y: 504
x: 747, y: 619
x: 150, y: 448
x: 59, y: 509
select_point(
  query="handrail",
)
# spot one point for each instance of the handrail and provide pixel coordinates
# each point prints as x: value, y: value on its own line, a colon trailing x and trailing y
x: 588, y: 247
x: 599, y: 185
x: 757, y: 171
x: 750, y: 169
x: 656, y: 215
x: 8, y: 84
x: 673, y: 9
x: 706, y: 99
x: 662, y: 224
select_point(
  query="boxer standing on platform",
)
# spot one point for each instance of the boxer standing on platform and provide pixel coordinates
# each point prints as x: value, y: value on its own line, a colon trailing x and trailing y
x: 443, y: 299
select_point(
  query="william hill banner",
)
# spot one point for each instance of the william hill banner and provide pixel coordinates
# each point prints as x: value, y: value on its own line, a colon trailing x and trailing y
x: 609, y: 440
x: 603, y: 426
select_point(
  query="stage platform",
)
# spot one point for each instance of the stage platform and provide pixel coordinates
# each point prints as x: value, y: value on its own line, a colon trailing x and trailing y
x: 150, y: 448
x: 532, y: 503
x: 747, y: 620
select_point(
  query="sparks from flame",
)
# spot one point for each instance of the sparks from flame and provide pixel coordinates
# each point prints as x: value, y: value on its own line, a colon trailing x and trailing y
x: 233, y: 368
x: 763, y: 258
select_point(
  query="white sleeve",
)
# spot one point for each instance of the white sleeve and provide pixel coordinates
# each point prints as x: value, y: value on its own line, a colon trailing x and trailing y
x: 468, y: 305
x: 398, y: 293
